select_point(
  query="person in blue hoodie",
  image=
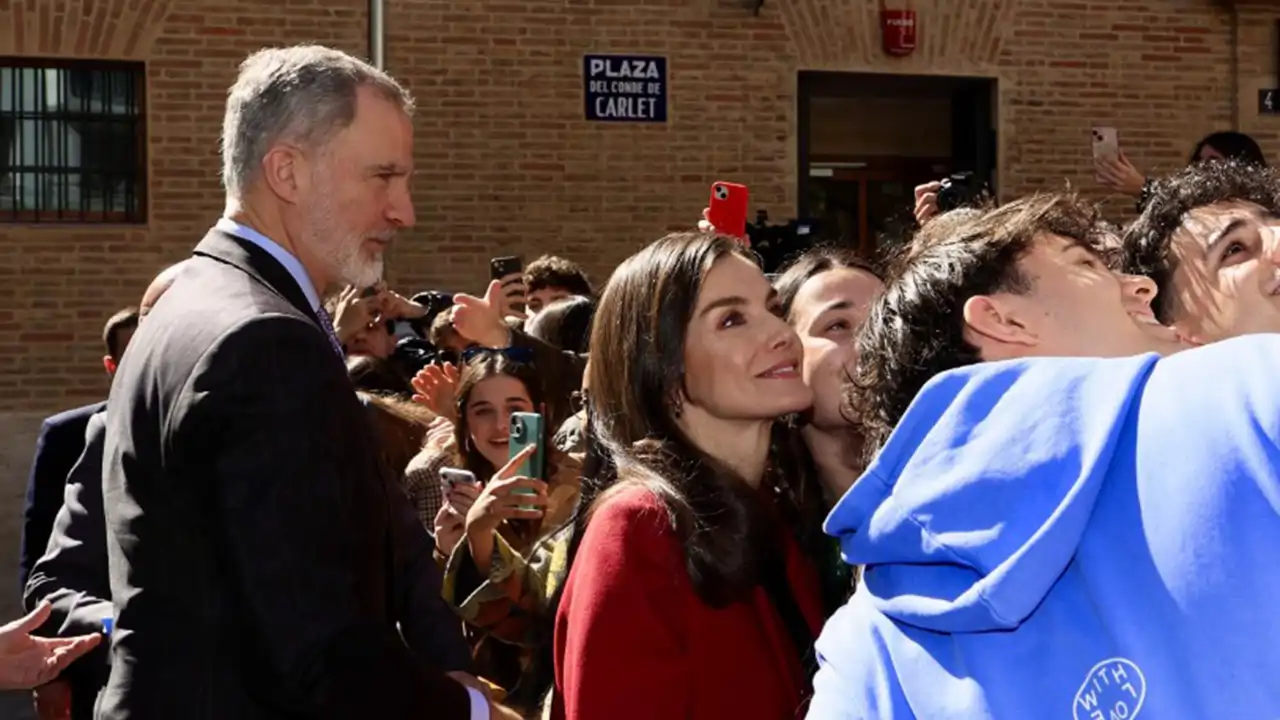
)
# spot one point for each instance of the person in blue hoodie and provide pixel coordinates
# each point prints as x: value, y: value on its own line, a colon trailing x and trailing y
x: 1070, y: 514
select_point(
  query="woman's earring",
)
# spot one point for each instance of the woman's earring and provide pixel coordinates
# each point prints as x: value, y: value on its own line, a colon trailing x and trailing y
x: 677, y: 406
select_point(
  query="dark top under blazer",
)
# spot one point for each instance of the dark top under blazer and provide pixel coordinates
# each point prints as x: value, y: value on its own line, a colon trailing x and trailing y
x: 259, y: 560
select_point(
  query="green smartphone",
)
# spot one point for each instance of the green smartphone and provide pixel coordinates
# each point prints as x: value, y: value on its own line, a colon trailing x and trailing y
x: 526, y: 430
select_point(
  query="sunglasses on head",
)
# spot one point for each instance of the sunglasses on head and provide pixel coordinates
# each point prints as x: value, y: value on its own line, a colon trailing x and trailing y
x: 514, y: 354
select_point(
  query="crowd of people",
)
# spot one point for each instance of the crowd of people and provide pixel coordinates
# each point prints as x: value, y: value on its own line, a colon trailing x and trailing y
x: 1027, y: 467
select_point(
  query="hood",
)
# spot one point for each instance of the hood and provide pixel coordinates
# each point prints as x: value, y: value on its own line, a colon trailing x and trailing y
x: 976, y: 504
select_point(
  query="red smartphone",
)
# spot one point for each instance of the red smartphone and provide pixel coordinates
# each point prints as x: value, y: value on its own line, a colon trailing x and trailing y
x: 727, y: 210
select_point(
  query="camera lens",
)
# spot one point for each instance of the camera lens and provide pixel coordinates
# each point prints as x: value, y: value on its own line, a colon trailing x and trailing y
x: 517, y: 429
x: 722, y: 193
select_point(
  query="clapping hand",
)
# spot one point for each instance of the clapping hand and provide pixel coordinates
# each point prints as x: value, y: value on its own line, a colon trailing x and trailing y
x: 435, y: 388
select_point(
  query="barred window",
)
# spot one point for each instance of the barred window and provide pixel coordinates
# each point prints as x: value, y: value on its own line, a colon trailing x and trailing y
x: 72, y: 141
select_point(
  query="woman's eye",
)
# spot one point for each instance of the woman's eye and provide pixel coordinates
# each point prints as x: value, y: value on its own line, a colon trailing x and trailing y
x: 1232, y: 249
x: 733, y: 319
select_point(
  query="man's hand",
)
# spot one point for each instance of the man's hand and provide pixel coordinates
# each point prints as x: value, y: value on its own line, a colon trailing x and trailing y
x: 479, y: 320
x: 53, y: 700
x: 355, y: 313
x: 27, y: 662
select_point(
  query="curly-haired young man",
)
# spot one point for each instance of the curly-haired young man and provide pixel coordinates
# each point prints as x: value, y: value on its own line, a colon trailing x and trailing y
x: 1209, y: 238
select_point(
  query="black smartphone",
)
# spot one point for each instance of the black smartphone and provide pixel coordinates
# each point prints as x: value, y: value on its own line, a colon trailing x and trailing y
x: 501, y: 267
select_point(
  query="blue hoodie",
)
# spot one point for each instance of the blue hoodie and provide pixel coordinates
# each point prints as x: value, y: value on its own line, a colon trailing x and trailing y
x: 1074, y: 539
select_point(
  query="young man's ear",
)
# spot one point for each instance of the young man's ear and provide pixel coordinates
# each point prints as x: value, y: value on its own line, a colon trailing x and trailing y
x: 993, y: 323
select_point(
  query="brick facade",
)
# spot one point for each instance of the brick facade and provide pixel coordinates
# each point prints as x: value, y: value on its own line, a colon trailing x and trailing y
x: 507, y: 163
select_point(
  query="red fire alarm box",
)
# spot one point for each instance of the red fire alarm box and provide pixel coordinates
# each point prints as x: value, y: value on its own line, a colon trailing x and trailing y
x: 898, y: 30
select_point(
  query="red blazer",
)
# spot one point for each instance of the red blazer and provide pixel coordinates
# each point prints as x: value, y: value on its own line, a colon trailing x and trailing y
x: 632, y: 640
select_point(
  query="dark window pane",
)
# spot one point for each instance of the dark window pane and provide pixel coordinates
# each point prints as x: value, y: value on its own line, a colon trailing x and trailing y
x: 71, y: 135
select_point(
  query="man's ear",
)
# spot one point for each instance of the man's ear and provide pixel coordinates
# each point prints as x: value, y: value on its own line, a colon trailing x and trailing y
x: 285, y: 171
x: 995, y: 320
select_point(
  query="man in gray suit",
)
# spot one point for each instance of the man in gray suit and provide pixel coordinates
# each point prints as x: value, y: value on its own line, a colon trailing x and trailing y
x: 263, y: 562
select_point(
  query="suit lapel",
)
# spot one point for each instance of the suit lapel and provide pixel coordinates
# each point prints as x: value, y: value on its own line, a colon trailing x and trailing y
x: 257, y: 264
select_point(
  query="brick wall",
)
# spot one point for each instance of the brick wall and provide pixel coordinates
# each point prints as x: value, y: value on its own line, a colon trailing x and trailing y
x: 508, y: 164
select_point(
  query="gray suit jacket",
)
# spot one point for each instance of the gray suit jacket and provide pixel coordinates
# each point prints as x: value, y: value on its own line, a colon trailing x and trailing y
x: 263, y: 563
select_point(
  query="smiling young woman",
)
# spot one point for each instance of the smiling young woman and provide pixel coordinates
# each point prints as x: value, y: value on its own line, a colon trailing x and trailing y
x: 691, y: 565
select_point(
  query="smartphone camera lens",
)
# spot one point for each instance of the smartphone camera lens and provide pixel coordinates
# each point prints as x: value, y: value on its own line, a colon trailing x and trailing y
x: 722, y: 192
x: 517, y: 429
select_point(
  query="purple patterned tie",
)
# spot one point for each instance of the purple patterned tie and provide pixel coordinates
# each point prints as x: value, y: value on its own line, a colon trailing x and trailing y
x: 327, y: 322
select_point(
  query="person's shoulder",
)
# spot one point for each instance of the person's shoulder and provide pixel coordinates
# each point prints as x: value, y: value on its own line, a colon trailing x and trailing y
x: 630, y: 500
x: 1237, y: 366
x: 74, y: 419
x: 75, y: 414
x: 631, y: 514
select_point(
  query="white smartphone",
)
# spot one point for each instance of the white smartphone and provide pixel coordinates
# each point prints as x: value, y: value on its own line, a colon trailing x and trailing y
x: 1106, y: 143
x: 452, y: 477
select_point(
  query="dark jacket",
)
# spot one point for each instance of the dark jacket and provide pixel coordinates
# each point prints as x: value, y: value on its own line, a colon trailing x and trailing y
x: 58, y: 448
x: 72, y: 575
x: 261, y: 559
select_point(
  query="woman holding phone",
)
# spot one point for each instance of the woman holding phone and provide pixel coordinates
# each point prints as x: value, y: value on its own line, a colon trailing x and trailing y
x: 491, y: 533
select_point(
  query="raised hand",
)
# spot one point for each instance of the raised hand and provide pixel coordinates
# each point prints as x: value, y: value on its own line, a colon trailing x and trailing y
x: 926, y: 201
x: 435, y: 387
x: 479, y: 320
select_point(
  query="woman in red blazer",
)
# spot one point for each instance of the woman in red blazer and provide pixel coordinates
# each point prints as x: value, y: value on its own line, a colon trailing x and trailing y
x: 689, y: 594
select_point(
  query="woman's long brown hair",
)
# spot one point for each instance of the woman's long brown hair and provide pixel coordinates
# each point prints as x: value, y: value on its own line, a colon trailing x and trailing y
x: 637, y: 370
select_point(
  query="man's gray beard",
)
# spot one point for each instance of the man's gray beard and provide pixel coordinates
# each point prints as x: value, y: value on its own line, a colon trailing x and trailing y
x: 356, y: 271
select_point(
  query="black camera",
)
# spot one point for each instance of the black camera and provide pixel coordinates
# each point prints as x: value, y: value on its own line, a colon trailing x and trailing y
x: 962, y: 189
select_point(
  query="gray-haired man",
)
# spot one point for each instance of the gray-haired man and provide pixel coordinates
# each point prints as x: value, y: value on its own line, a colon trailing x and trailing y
x: 263, y: 563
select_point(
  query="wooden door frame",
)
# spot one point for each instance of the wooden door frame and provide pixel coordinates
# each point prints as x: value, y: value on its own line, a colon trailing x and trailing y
x: 871, y: 169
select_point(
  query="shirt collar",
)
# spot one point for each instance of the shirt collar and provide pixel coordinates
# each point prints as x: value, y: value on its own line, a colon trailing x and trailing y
x: 282, y: 256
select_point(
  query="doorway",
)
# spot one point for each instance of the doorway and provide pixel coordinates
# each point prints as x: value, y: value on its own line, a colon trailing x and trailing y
x: 867, y: 139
